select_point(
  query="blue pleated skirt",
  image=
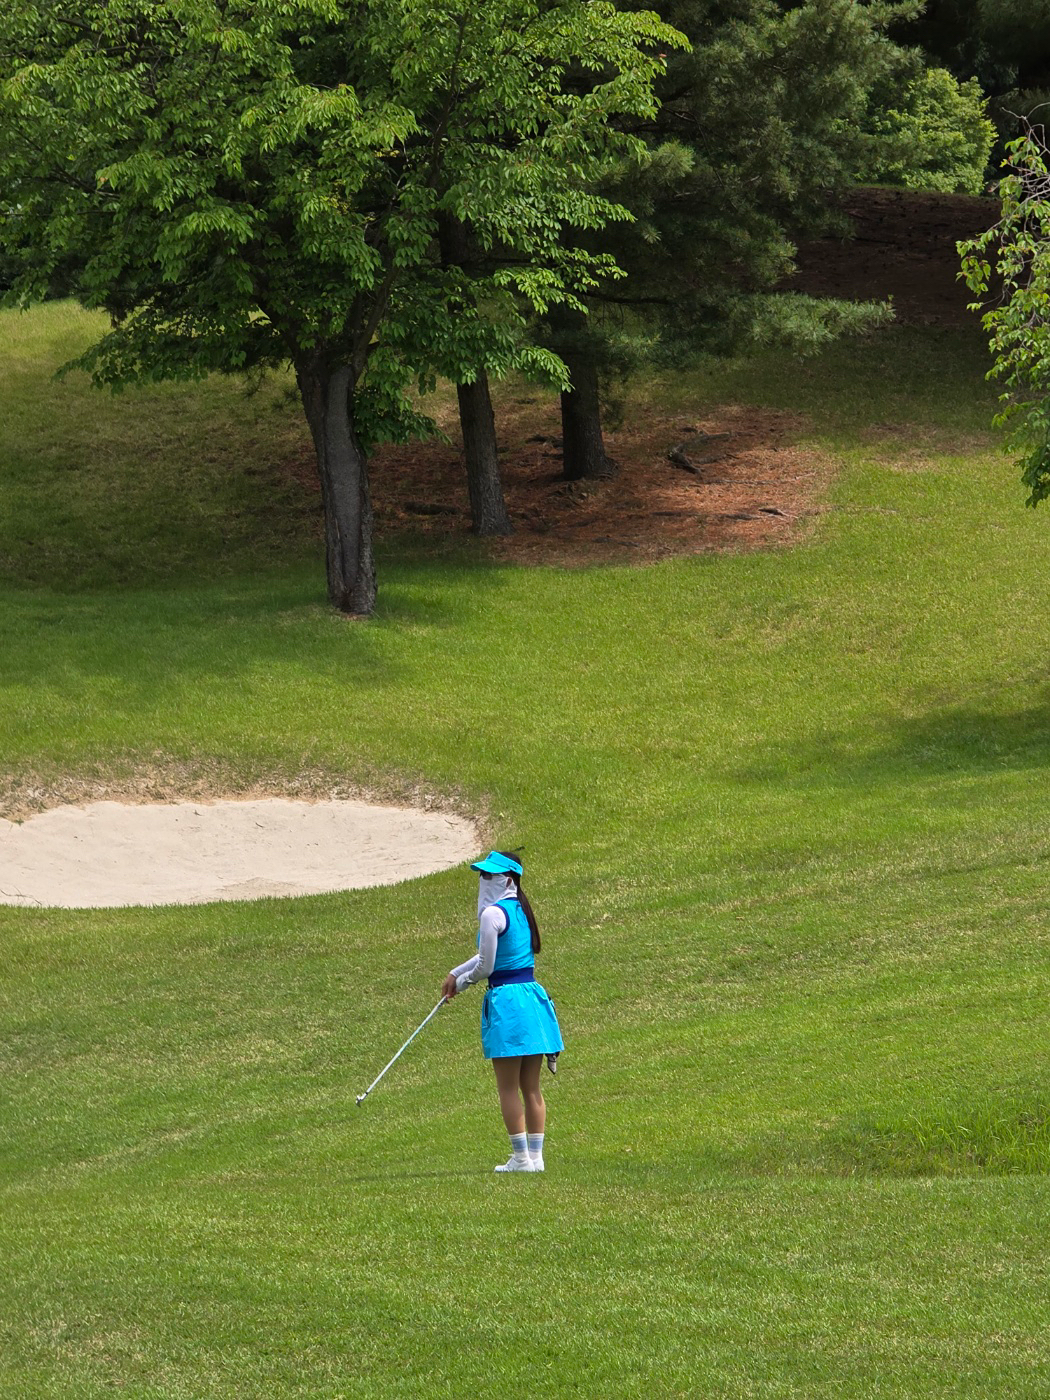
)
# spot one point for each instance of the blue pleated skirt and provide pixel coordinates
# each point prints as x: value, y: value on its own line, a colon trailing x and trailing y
x: 519, y: 1019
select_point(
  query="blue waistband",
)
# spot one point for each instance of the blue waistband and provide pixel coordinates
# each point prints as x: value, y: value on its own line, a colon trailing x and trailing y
x: 513, y: 974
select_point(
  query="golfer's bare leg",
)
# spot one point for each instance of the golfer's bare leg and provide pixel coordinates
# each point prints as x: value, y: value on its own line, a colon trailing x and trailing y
x: 508, y: 1076
x: 529, y: 1080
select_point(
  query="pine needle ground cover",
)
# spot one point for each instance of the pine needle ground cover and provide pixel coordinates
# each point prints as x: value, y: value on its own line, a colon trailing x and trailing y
x: 785, y: 818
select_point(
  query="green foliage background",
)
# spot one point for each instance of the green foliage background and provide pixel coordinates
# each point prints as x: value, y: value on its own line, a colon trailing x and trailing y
x: 936, y: 137
x: 1008, y: 270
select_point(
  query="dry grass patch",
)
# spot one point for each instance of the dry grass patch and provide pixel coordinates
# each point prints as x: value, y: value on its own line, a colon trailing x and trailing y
x: 168, y: 780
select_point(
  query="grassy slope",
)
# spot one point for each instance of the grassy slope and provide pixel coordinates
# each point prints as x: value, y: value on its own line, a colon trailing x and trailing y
x: 786, y: 825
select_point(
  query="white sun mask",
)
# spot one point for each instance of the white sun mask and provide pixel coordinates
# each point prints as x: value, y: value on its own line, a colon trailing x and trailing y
x: 493, y: 888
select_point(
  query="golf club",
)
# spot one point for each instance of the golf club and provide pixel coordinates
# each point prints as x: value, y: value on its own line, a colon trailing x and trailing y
x: 361, y: 1097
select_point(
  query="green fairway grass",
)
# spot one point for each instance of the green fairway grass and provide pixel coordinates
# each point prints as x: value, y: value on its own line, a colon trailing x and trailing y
x: 786, y: 820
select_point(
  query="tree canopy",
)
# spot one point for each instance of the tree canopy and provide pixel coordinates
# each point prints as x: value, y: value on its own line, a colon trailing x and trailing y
x: 244, y: 183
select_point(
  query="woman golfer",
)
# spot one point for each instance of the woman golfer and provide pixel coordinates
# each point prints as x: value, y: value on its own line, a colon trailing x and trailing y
x: 518, y: 1024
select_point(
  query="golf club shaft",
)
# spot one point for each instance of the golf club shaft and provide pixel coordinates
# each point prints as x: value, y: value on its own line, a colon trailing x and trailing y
x: 404, y: 1047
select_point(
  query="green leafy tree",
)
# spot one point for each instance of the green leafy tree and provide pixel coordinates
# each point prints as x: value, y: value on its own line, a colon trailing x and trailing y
x: 937, y: 136
x: 245, y: 183
x: 1013, y: 258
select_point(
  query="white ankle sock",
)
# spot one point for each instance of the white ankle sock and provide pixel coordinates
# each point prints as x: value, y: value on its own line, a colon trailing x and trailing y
x: 535, y: 1145
x: 519, y: 1160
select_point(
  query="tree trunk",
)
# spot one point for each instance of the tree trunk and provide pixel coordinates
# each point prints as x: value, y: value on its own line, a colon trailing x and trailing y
x: 484, y: 483
x: 343, y: 471
x: 488, y: 509
x: 583, y: 447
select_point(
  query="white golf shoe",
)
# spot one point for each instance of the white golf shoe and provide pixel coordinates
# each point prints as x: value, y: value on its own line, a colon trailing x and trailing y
x: 517, y: 1163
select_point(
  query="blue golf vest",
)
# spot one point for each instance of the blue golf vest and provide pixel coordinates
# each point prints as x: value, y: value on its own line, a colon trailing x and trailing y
x: 514, y: 945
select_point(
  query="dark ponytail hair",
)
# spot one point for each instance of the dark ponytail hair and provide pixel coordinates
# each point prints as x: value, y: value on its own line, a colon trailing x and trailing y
x: 523, y: 900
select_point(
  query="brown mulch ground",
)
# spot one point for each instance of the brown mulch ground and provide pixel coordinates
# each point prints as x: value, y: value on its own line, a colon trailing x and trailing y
x: 739, y: 481
x: 752, y: 486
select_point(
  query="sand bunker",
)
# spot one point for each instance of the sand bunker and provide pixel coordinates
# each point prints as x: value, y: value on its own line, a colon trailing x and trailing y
x: 111, y: 853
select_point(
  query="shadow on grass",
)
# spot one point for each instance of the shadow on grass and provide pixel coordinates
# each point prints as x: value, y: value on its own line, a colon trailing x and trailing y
x: 433, y: 586
x: 149, y: 638
x: 932, y: 376
x: 955, y: 740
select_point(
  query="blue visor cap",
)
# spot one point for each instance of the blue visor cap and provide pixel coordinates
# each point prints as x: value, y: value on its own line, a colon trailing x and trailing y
x: 497, y: 864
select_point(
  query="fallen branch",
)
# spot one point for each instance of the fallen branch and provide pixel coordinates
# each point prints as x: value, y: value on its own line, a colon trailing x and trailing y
x: 680, y: 458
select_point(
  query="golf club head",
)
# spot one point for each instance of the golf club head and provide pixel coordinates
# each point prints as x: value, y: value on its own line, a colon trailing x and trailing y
x: 360, y: 1099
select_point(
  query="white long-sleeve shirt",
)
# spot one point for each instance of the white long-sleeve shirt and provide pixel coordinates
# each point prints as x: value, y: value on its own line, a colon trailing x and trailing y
x: 493, y: 922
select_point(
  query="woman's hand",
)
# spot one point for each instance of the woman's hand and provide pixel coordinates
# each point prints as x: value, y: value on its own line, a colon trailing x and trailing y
x: 449, y: 987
